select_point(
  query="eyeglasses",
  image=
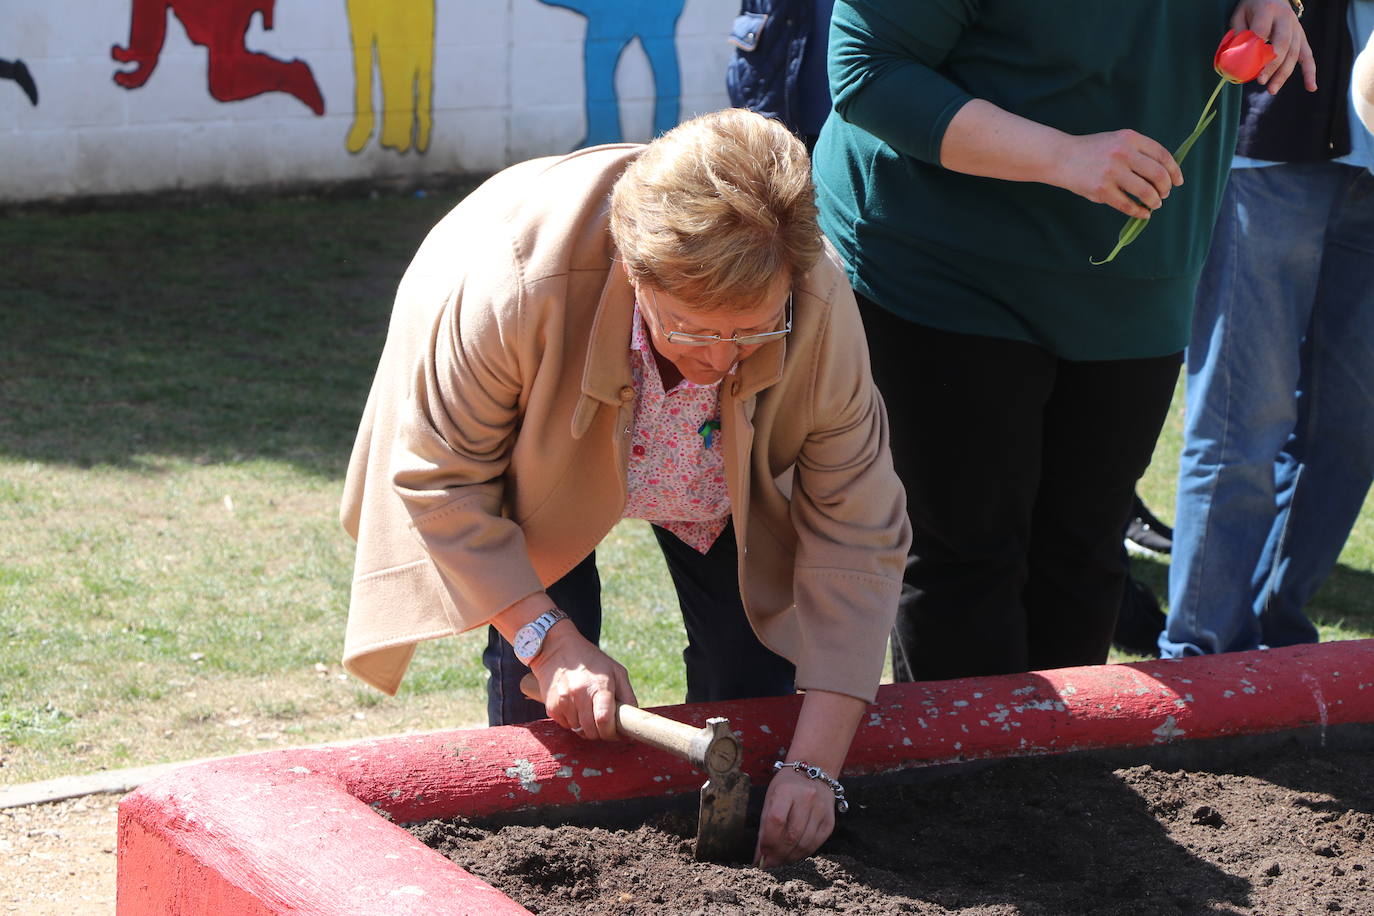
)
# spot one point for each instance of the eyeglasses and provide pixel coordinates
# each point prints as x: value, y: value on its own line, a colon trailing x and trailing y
x: 682, y: 338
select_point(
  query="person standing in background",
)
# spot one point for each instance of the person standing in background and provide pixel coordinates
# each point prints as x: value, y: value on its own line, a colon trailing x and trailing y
x: 1278, y: 447
x: 779, y: 65
x: 962, y: 178
x: 779, y: 70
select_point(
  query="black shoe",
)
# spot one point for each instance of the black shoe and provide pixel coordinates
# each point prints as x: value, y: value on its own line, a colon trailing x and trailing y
x: 1139, y: 621
x: 1147, y: 534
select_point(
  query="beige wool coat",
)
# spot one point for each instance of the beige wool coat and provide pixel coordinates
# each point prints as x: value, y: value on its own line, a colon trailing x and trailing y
x: 491, y: 457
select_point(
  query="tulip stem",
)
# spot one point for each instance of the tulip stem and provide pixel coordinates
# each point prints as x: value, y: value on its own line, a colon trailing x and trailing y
x: 1207, y: 109
x: 1135, y: 225
x: 1203, y: 120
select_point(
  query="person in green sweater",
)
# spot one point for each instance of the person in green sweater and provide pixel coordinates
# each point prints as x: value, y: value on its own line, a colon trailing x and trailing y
x: 979, y: 155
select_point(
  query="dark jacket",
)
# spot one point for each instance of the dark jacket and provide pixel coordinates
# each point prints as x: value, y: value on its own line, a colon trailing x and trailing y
x: 770, y: 42
x: 1296, y: 125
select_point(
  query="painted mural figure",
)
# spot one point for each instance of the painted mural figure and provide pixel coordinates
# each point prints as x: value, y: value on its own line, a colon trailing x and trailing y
x: 18, y: 71
x: 400, y: 35
x: 235, y: 73
x: 611, y: 26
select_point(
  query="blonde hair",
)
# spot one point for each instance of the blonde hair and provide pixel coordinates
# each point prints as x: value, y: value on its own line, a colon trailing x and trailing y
x: 716, y: 208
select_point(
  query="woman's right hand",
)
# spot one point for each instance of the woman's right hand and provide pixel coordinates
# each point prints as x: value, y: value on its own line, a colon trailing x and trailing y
x: 1107, y: 168
x: 580, y: 685
x: 1111, y: 168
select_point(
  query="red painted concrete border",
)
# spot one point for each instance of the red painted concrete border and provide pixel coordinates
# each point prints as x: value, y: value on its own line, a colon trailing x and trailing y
x: 303, y: 831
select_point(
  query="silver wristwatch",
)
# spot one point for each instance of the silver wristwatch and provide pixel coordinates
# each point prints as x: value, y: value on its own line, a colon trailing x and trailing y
x: 529, y: 639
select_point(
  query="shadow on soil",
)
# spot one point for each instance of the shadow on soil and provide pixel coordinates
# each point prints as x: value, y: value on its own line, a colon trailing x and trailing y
x: 1044, y: 835
x: 225, y: 332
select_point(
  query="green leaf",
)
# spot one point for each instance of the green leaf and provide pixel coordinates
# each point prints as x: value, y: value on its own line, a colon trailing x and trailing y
x: 1188, y: 144
x: 1134, y: 226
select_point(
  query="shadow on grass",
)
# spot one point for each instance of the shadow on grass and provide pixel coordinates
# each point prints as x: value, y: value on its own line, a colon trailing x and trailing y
x: 1155, y: 574
x: 1345, y: 601
x: 222, y: 333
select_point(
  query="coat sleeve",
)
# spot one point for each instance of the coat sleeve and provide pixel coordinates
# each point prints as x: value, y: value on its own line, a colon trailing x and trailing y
x: 848, y: 509
x: 454, y: 438
x: 884, y: 77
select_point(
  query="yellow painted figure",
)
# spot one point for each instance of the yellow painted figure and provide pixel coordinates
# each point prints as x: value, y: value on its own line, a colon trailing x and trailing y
x: 399, y: 35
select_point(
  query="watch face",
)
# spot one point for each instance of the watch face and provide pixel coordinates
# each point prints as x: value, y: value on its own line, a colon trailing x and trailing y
x: 528, y: 639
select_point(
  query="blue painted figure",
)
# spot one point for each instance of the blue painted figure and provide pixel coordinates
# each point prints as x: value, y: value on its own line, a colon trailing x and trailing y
x: 611, y: 26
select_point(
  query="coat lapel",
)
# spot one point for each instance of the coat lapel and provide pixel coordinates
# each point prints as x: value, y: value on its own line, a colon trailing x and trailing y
x: 738, y: 398
x: 607, y: 371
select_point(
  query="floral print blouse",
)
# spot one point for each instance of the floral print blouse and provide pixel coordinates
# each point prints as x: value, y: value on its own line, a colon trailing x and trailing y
x: 676, y: 470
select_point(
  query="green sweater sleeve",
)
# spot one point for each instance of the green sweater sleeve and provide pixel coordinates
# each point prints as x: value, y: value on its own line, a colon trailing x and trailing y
x: 883, y: 69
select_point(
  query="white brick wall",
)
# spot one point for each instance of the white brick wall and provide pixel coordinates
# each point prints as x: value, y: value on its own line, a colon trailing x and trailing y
x: 507, y: 79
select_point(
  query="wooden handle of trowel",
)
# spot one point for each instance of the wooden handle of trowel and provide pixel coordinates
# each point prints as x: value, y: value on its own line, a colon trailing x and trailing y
x: 678, y: 738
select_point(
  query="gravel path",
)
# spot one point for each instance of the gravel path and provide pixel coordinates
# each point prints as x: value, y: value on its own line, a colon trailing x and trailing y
x: 58, y: 859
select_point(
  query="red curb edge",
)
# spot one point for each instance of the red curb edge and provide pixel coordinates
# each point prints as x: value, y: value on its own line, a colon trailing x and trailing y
x: 309, y: 830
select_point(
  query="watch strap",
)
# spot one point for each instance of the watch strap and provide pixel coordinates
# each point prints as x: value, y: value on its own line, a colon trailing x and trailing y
x: 546, y: 620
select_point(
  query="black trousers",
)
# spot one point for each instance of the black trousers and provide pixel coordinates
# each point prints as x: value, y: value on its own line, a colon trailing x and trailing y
x: 723, y: 657
x: 1019, y: 468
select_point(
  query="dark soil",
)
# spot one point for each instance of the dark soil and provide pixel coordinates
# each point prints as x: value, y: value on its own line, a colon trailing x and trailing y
x: 1280, y: 832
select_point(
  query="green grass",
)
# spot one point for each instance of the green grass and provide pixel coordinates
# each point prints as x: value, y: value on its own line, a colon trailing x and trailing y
x: 179, y: 389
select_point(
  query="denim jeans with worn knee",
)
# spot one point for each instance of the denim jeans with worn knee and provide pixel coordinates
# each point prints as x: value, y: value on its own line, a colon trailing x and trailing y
x: 1278, y: 447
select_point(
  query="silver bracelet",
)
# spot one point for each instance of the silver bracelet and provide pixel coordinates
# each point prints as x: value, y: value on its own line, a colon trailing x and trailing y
x: 814, y: 772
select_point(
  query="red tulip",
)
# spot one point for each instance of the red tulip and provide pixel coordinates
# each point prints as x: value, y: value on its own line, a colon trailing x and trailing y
x: 1241, y: 56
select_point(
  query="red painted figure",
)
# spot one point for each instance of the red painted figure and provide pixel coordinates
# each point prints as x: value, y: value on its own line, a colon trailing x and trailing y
x: 218, y: 25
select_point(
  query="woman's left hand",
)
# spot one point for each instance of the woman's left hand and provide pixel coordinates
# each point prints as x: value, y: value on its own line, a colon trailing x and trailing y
x: 798, y: 811
x: 798, y: 816
x: 1277, y: 23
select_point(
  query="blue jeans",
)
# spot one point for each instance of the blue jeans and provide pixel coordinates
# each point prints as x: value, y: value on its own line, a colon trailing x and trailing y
x: 1278, y: 451
x: 723, y: 657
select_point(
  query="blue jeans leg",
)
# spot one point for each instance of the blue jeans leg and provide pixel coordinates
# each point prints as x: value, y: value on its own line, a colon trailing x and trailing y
x: 1259, y: 392
x: 1326, y: 467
